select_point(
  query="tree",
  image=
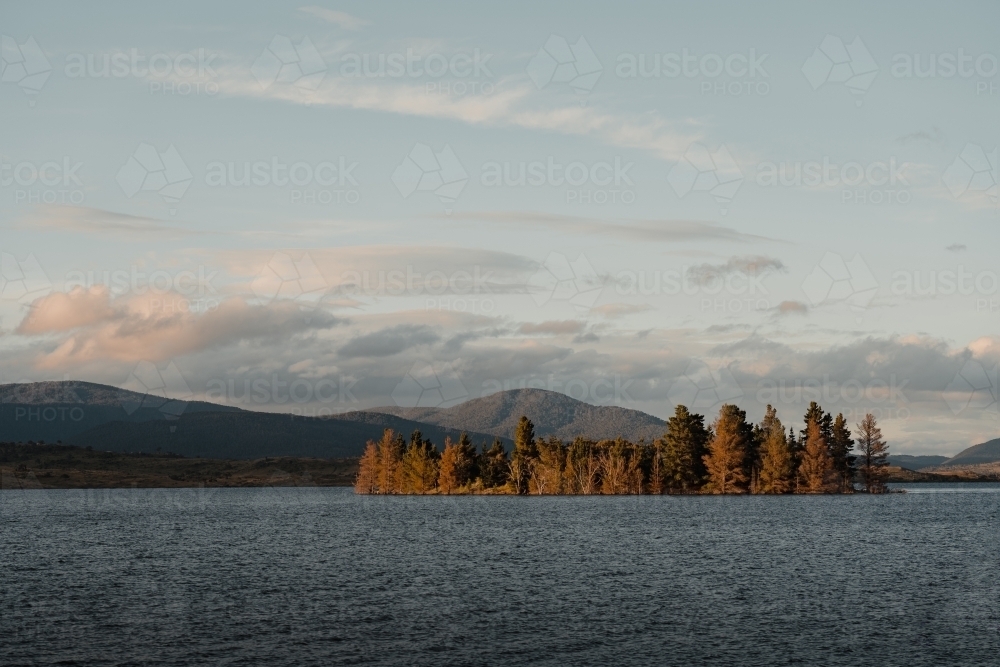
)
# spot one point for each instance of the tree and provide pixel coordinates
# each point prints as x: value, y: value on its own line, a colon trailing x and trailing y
x: 453, y: 471
x: 525, y: 453
x: 816, y: 472
x: 493, y: 466
x: 390, y: 458
x: 727, y: 452
x: 545, y: 476
x: 367, y: 480
x: 621, y: 472
x: 420, y: 466
x: 841, y: 445
x: 582, y: 467
x: 684, y: 448
x: 467, y: 459
x: 874, y: 455
x: 776, y: 469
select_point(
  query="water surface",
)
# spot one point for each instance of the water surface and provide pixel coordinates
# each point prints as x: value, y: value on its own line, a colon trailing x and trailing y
x: 322, y: 577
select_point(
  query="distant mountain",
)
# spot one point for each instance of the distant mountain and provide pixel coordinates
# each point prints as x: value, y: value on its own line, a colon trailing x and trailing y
x: 252, y: 435
x: 551, y: 412
x: 53, y: 411
x: 987, y: 452
x: 915, y: 462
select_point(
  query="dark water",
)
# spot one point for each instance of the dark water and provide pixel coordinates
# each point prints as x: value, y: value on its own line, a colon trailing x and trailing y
x: 321, y: 577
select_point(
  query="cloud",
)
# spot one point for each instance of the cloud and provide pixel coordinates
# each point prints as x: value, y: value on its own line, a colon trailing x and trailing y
x: 146, y: 328
x: 61, y: 311
x: 792, y: 308
x: 514, y: 103
x: 385, y: 271
x: 956, y: 247
x: 390, y: 341
x: 458, y: 341
x: 338, y: 18
x: 589, y: 337
x: 639, y: 230
x: 82, y: 219
x: 934, y: 136
x: 552, y: 327
x: 613, y: 310
x: 705, y: 274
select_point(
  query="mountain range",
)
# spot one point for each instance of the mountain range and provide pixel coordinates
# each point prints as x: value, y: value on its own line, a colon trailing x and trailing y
x: 112, y: 419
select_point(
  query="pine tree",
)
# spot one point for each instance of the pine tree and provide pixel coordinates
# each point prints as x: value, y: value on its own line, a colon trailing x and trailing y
x: 874, y: 455
x: 493, y: 468
x: 684, y: 447
x: 776, y: 470
x: 727, y: 452
x: 841, y: 445
x: 468, y: 459
x: 525, y: 453
x: 816, y: 470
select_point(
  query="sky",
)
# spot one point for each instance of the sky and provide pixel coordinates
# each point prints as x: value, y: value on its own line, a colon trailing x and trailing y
x: 323, y: 208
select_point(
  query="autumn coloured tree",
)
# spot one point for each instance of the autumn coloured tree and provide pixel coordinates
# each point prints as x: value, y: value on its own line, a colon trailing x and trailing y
x: 367, y: 480
x: 420, y: 465
x: 776, y: 468
x: 727, y: 452
x: 546, y: 470
x: 873, y: 455
x: 582, y: 471
x: 731, y: 457
x: 390, y: 460
x: 816, y: 474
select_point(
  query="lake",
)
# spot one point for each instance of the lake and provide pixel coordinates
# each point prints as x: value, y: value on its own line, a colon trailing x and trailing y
x: 319, y: 576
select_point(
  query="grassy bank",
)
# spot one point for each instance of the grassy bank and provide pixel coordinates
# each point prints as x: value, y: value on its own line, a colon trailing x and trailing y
x: 64, y: 467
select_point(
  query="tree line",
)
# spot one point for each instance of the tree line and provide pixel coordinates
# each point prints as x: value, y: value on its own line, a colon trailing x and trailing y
x: 729, y: 456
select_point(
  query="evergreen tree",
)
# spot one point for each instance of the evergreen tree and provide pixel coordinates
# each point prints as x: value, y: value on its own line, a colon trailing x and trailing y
x: 874, y: 455
x: 468, y: 459
x: 493, y: 468
x: 684, y: 447
x: 727, y: 452
x: 841, y: 445
x: 776, y: 470
x: 816, y: 470
x: 525, y: 453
